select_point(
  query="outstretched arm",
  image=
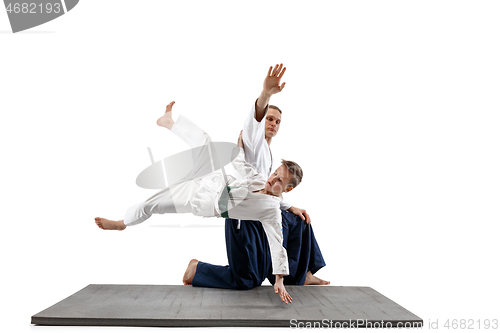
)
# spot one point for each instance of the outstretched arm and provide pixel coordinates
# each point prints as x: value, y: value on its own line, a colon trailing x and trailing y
x: 279, y: 256
x: 271, y: 86
x: 279, y: 288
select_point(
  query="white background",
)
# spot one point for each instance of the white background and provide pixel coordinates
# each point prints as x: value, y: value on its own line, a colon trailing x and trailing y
x: 391, y: 108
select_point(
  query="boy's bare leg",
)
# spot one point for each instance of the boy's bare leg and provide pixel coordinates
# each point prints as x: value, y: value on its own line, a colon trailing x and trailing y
x: 314, y: 280
x: 190, y: 272
x: 166, y: 120
x: 106, y: 224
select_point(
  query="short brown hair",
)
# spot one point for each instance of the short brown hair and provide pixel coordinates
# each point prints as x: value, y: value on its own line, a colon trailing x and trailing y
x: 296, y: 171
x: 275, y: 107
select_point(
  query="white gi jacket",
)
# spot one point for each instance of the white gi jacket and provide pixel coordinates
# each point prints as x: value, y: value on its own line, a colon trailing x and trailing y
x: 257, y: 151
x: 246, y: 204
x: 201, y: 196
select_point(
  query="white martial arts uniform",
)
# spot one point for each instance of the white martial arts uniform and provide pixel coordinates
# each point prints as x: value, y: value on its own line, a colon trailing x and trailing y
x: 201, y: 197
x: 257, y: 151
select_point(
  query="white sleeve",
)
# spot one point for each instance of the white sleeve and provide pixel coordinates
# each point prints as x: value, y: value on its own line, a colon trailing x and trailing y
x: 253, y: 132
x: 285, y: 205
x: 246, y: 170
x: 257, y: 152
x: 274, y: 234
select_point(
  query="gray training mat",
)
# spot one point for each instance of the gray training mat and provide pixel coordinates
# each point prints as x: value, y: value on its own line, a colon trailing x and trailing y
x: 187, y: 306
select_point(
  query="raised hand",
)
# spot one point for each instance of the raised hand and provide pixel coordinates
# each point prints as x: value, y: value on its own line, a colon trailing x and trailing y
x: 271, y: 86
x: 273, y: 79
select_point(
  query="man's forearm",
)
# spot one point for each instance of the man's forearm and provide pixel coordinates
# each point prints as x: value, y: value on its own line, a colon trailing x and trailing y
x: 271, y: 87
x: 261, y: 104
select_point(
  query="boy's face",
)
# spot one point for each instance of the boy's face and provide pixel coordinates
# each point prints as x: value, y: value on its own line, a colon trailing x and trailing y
x: 273, y: 121
x: 278, y: 182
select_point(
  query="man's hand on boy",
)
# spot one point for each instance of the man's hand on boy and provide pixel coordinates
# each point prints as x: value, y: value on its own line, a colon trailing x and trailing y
x: 240, y: 140
x: 300, y: 212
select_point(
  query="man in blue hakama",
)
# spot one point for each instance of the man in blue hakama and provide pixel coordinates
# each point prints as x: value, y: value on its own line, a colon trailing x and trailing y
x: 249, y: 258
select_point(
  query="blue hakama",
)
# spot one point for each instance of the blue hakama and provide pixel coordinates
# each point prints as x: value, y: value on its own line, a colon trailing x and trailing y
x: 249, y: 257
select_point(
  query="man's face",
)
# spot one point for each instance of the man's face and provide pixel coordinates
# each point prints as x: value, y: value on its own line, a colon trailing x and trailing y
x: 273, y: 121
x: 278, y: 182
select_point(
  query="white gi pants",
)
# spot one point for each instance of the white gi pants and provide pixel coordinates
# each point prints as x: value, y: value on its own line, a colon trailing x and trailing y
x: 196, y: 196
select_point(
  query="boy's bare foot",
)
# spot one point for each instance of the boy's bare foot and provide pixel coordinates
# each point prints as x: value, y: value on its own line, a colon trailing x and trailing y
x: 314, y: 280
x: 106, y: 224
x: 190, y: 272
x: 166, y: 120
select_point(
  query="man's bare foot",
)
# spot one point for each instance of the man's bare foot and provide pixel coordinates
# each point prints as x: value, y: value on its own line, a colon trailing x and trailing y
x: 166, y: 120
x: 190, y: 272
x: 314, y: 280
x: 106, y: 224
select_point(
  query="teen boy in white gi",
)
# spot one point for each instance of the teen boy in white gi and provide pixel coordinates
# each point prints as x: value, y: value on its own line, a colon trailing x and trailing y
x: 253, y: 198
